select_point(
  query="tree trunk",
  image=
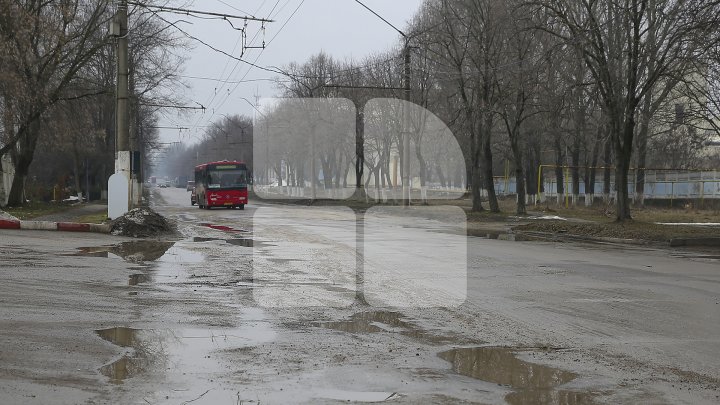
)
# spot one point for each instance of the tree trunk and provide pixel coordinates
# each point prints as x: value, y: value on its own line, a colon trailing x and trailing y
x: 575, y: 171
x: 642, y: 144
x: 559, y: 173
x: 23, y: 159
x: 476, y: 173
x: 477, y: 183
x: 423, y: 171
x: 327, y: 172
x: 76, y: 170
x: 607, y: 162
x: 519, y: 171
x: 488, y: 167
x: 623, y: 153
x: 359, y: 150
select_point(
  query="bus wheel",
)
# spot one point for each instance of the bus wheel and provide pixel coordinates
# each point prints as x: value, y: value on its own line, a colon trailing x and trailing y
x: 242, y: 206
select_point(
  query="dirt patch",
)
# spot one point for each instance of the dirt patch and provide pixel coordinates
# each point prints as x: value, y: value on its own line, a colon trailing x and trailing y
x: 633, y: 230
x: 142, y: 223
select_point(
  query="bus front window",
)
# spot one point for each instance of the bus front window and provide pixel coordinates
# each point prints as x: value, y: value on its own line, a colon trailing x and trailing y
x: 228, y: 179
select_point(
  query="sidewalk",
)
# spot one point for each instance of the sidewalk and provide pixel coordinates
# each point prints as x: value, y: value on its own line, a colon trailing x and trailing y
x: 63, y: 221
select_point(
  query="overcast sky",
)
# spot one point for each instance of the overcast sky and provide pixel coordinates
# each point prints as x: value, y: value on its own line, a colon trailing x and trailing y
x: 341, y: 28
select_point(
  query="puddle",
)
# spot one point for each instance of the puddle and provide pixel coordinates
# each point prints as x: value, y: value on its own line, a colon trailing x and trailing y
x: 223, y: 228
x: 533, y: 383
x: 286, y: 261
x: 129, y: 365
x: 135, y: 251
x: 203, y: 240
x: 242, y: 242
x: 137, y: 279
x: 375, y: 322
x: 123, y: 337
x: 182, y: 354
x: 175, y: 268
x: 356, y: 396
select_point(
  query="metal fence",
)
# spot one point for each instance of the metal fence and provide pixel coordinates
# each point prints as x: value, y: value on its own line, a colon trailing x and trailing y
x: 659, y: 184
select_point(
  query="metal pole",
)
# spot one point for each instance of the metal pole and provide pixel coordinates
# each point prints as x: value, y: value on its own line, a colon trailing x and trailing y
x: 406, y: 129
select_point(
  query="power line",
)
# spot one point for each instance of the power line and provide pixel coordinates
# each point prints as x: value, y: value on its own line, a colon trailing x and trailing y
x: 214, y: 79
x: 188, y: 12
x: 178, y: 107
x: 288, y: 20
x: 382, y: 18
x: 235, y: 8
x: 236, y: 66
x: 254, y: 64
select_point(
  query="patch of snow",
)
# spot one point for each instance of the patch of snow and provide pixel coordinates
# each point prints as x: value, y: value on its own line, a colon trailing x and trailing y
x: 550, y: 218
x: 4, y: 215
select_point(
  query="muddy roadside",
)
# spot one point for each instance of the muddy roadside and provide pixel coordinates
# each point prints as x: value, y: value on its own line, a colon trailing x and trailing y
x: 82, y: 315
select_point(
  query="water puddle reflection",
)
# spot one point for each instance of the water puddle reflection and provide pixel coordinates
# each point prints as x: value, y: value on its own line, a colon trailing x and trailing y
x: 533, y: 383
x: 191, y: 352
x: 130, y: 364
x: 376, y: 322
x: 137, y: 279
x: 135, y: 251
x: 357, y: 396
x: 242, y: 242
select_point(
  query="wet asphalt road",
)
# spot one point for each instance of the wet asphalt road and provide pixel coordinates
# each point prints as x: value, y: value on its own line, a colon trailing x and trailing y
x: 277, y: 304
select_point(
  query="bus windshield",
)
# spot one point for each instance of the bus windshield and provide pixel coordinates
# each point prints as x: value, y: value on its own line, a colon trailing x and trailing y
x: 227, y: 178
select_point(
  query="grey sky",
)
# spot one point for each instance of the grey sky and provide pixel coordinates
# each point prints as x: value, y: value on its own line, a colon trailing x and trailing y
x: 341, y: 28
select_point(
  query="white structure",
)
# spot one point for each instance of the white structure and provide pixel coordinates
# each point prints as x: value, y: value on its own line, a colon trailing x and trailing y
x: 7, y: 172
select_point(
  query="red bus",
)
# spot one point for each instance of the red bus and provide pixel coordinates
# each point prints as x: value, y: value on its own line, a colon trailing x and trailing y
x: 221, y: 184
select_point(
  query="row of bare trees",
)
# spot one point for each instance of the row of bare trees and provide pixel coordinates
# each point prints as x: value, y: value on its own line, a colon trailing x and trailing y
x: 57, y: 89
x: 228, y: 138
x: 585, y: 84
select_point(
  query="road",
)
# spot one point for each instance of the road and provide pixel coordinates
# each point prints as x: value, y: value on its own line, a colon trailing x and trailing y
x: 282, y: 304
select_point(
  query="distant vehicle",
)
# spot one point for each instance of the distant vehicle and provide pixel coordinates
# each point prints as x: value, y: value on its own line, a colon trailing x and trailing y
x: 180, y: 182
x: 221, y: 184
x: 190, y: 185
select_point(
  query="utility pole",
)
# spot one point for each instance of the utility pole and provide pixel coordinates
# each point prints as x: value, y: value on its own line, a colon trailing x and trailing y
x: 406, y: 128
x: 120, y: 184
x: 405, y: 147
x: 122, y: 161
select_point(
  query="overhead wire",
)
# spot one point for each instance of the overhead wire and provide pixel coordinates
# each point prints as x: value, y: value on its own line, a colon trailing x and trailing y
x: 235, y: 8
x: 226, y: 81
x: 230, y: 92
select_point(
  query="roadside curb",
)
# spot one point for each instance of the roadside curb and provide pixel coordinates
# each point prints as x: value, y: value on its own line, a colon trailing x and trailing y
x: 54, y: 226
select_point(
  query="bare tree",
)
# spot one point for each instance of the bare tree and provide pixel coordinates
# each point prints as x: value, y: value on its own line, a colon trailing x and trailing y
x: 627, y: 58
x: 43, y: 46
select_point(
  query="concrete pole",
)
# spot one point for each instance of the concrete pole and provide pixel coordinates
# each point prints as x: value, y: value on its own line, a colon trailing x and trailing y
x: 406, y: 130
x: 122, y: 161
